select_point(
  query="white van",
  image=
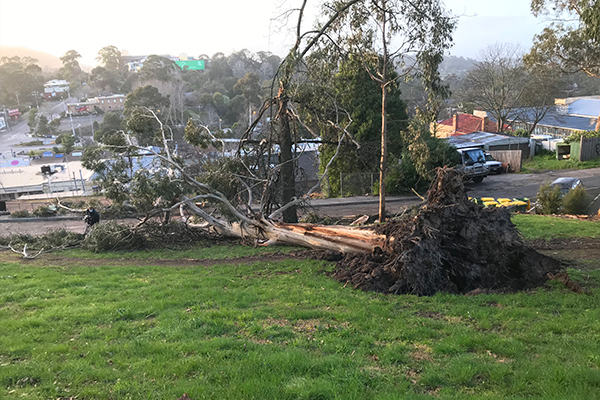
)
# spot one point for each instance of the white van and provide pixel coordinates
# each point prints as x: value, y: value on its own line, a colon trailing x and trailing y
x: 472, y: 164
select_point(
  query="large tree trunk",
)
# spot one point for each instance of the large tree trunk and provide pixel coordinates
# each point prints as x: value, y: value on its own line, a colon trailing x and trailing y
x: 286, y: 159
x: 383, y: 162
x: 336, y: 238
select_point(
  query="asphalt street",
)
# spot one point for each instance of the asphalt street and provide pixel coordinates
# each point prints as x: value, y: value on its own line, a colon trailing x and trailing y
x: 19, y: 132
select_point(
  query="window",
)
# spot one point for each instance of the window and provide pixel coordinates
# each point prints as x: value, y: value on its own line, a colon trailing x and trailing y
x: 121, y: 100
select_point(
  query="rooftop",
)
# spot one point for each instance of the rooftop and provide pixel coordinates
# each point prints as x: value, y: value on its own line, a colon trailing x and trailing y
x: 485, y: 139
x: 467, y: 123
x: 554, y: 118
x: 585, y: 108
x: 32, y: 175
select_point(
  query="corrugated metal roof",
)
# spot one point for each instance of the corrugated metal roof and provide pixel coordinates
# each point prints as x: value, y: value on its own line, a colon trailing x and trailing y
x: 555, y: 119
x: 585, y: 107
x: 485, y: 139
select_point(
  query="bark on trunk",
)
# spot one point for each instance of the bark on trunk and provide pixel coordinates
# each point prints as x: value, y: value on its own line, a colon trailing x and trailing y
x: 383, y: 162
x: 286, y: 159
x: 335, y: 238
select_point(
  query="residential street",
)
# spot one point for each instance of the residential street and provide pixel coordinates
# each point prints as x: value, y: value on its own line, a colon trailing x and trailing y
x: 506, y: 185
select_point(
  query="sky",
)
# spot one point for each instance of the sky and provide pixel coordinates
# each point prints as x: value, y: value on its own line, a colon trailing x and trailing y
x: 197, y: 27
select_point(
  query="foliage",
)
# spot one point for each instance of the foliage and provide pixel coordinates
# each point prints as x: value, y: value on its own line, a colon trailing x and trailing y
x: 67, y: 141
x: 144, y: 127
x: 159, y: 68
x: 575, y: 201
x: 520, y: 132
x: 389, y: 32
x: 112, y: 236
x: 415, y: 169
x: 111, y: 74
x: 197, y: 135
x: 32, y: 119
x: 20, y: 79
x: 549, y: 199
x: 149, y: 329
x: 70, y: 70
x: 20, y: 214
x: 576, y: 136
x: 351, y: 92
x: 111, y: 123
x: 570, y: 43
x: 50, y: 239
x: 44, y: 211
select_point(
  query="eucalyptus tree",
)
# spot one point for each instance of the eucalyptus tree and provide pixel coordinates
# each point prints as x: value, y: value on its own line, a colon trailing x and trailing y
x: 572, y: 41
x: 70, y: 70
x: 407, y: 36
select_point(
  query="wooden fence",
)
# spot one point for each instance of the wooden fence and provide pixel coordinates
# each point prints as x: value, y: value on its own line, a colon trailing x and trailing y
x: 590, y: 149
x: 512, y: 157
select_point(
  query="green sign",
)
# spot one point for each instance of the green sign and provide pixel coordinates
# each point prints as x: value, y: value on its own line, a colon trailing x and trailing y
x: 192, y: 65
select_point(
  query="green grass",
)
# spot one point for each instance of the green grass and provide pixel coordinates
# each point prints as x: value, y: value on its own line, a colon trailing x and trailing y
x: 282, y: 331
x: 550, y: 163
x: 32, y: 143
x: 545, y: 227
x: 212, y: 253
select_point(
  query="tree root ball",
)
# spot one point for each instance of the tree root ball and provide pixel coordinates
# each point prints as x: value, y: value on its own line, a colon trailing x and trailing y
x: 453, y: 245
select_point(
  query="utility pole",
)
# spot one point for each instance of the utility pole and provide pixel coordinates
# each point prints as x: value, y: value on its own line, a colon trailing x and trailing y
x: 36, y: 94
x: 71, y: 118
x: 6, y: 119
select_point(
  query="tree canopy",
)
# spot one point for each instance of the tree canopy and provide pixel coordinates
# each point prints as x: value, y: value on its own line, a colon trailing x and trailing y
x: 572, y: 41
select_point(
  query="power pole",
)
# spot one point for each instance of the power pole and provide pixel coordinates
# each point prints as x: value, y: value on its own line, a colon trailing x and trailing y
x: 36, y: 94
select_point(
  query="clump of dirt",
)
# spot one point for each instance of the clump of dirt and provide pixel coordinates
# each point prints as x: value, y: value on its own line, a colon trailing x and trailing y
x: 451, y: 245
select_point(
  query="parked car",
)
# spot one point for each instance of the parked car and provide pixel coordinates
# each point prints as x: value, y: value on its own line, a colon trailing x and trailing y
x: 494, y: 166
x: 472, y: 164
x: 565, y: 184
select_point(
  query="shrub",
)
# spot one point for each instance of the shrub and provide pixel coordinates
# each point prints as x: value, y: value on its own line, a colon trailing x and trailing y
x: 111, y: 236
x: 575, y: 201
x: 20, y: 214
x: 44, y: 211
x: 549, y: 199
x: 50, y: 239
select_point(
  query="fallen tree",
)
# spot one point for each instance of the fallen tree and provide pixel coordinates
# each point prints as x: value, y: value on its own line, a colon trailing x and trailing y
x: 451, y: 245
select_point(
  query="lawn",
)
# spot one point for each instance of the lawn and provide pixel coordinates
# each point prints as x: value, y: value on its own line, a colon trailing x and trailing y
x: 550, y: 163
x: 75, y: 326
x: 546, y: 227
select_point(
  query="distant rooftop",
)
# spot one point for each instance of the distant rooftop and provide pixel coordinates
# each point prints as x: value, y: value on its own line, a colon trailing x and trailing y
x: 585, y: 108
x: 554, y: 118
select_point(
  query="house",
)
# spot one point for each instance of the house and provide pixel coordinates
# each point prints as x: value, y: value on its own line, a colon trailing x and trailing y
x: 461, y: 124
x: 567, y: 116
x: 55, y: 89
x: 61, y: 177
x: 115, y: 102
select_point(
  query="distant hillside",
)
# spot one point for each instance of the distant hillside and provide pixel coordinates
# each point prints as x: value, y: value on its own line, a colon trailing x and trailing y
x: 453, y: 65
x: 46, y: 61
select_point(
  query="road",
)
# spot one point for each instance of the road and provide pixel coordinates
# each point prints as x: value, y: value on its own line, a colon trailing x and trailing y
x: 506, y: 185
x: 19, y: 132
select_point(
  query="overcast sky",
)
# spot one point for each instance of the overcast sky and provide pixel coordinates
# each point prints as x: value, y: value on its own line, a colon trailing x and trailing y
x: 199, y: 27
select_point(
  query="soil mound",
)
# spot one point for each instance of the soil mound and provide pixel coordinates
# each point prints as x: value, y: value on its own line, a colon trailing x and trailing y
x: 451, y: 245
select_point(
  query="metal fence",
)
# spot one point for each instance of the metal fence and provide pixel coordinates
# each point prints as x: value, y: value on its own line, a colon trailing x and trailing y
x: 357, y: 184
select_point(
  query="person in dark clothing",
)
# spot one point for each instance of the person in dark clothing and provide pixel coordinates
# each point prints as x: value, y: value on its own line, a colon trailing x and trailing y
x: 91, y: 216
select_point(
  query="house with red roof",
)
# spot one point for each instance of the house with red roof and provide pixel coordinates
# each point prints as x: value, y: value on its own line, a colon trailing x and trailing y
x: 462, y: 124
